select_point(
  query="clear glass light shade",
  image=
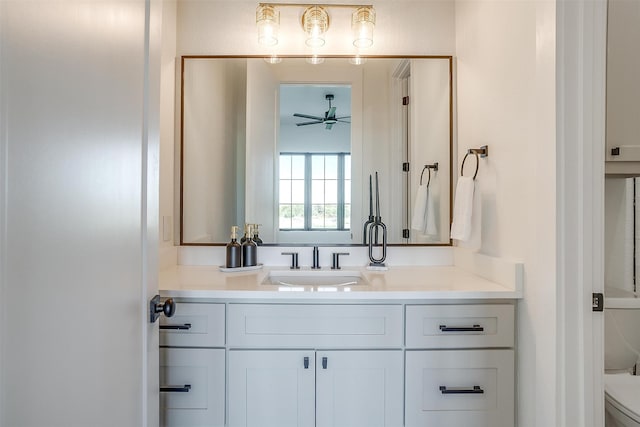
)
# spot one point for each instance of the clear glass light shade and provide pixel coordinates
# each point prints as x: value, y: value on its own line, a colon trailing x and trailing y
x: 268, y: 23
x: 315, y: 60
x: 315, y: 22
x: 363, y: 21
x: 273, y: 59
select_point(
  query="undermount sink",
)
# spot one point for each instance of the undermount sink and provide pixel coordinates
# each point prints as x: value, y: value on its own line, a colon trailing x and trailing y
x: 317, y: 278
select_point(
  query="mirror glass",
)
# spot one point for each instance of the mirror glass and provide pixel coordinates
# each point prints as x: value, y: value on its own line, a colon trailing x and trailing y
x: 622, y: 253
x: 296, y: 148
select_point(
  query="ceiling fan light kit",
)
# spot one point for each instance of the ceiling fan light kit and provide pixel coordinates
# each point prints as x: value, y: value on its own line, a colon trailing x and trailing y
x: 315, y: 23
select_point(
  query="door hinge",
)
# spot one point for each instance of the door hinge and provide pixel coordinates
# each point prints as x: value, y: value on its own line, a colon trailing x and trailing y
x: 405, y: 233
x: 597, y: 302
x: 405, y: 100
x: 615, y: 151
x: 405, y: 167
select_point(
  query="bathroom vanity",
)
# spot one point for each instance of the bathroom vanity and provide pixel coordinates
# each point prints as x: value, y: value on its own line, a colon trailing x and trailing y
x: 412, y: 346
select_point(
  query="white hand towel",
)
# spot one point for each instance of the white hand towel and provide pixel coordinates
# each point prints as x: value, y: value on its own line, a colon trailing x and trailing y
x: 420, y: 209
x: 463, y: 209
x: 431, y: 229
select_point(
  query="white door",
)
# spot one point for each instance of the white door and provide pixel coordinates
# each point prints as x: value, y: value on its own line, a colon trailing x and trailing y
x: 77, y: 214
x: 271, y: 388
x: 359, y: 388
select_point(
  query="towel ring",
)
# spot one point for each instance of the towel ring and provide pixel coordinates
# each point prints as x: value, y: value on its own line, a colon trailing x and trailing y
x: 428, y: 167
x: 465, y: 159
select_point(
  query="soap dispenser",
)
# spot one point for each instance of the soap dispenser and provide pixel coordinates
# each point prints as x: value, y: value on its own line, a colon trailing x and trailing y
x: 256, y: 238
x: 249, y: 250
x: 246, y: 234
x: 234, y: 250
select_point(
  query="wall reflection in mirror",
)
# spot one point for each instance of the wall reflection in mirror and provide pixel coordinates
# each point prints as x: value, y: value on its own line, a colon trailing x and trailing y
x: 622, y: 231
x: 291, y: 146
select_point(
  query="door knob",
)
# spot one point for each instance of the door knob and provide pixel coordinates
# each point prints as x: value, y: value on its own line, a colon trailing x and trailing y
x: 168, y: 307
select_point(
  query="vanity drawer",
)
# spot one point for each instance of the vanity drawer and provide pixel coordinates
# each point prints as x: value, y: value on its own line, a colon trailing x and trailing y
x: 315, y: 325
x: 460, y: 326
x: 196, y: 325
x: 471, y: 388
x: 193, y: 380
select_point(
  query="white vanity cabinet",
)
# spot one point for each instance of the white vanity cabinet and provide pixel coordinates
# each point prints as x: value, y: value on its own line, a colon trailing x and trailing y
x: 192, y: 366
x: 348, y: 373
x: 459, y: 365
x: 359, y: 364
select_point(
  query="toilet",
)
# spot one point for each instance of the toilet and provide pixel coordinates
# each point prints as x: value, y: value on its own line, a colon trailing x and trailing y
x: 622, y: 353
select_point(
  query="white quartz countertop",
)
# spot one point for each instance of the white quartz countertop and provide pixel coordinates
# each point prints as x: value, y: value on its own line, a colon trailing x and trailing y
x: 397, y: 283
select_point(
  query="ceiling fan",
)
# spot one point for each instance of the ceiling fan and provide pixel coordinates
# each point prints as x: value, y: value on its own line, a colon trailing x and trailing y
x: 329, y: 118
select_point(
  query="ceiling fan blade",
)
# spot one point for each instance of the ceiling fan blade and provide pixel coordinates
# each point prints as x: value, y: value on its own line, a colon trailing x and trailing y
x: 343, y: 121
x: 306, y: 116
x: 343, y: 117
x: 331, y: 113
x: 329, y: 126
x: 308, y: 123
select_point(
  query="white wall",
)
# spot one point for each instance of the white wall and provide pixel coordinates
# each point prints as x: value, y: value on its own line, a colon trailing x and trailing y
x: 506, y: 100
x: 168, y: 220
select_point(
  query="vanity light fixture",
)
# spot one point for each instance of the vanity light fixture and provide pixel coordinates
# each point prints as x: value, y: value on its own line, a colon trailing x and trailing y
x: 363, y: 20
x: 268, y: 23
x: 315, y: 23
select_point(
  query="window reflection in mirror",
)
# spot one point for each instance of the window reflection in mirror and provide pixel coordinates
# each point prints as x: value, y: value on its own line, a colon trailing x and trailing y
x: 314, y: 145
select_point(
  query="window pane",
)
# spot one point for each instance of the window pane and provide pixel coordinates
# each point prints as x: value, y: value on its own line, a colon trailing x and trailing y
x: 285, y: 191
x: 331, y: 167
x: 331, y: 216
x: 317, y: 166
x: 331, y: 191
x: 347, y: 191
x: 347, y: 216
x: 297, y: 191
x: 317, y: 191
x: 297, y: 167
x: 285, y: 167
x: 317, y: 216
x: 285, y: 216
x: 297, y: 217
x: 347, y: 166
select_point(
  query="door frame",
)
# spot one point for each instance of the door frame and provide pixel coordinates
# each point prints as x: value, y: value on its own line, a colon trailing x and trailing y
x: 580, y: 141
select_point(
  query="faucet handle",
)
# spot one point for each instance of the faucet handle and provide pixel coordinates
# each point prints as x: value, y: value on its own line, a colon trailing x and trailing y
x: 336, y: 260
x: 294, y: 259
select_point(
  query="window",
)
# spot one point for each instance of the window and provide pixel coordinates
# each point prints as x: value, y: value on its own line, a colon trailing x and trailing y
x: 315, y: 191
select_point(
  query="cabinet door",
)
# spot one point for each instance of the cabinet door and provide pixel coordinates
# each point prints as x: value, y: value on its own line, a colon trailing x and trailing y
x: 359, y: 388
x: 193, y: 380
x: 271, y: 388
x: 470, y: 388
